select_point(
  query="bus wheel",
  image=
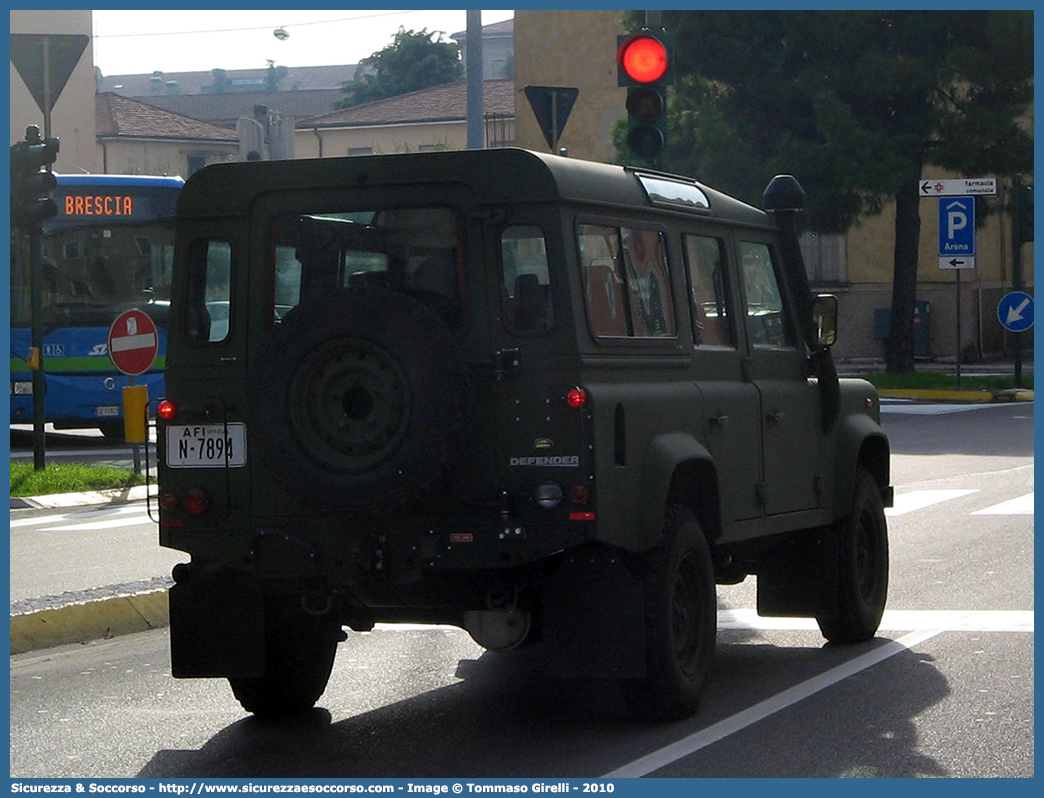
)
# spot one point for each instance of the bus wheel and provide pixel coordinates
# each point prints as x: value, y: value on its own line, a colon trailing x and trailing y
x: 113, y: 430
x: 862, y: 578
x: 680, y: 621
x: 299, y: 656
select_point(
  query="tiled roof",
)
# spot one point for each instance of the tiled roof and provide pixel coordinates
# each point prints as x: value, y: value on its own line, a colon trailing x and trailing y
x: 225, y: 109
x: 494, y: 29
x: 296, y: 79
x: 125, y: 117
x: 445, y: 103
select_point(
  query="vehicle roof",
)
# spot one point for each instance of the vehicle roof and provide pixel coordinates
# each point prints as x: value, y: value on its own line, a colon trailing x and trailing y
x: 119, y: 180
x: 496, y: 175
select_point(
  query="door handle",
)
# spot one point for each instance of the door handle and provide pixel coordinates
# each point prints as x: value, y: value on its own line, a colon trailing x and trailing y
x: 775, y: 416
x: 718, y: 421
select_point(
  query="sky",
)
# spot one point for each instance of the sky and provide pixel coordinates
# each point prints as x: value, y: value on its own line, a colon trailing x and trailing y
x: 141, y: 42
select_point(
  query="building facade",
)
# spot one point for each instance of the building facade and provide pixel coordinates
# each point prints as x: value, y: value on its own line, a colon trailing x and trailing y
x: 72, y: 118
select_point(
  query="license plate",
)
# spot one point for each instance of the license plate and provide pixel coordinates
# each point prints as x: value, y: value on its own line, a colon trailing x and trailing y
x: 107, y: 411
x: 206, y: 446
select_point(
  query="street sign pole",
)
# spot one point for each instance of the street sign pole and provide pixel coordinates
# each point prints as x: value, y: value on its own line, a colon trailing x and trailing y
x: 1016, y: 274
x: 45, y: 62
x: 958, y: 337
x: 957, y: 252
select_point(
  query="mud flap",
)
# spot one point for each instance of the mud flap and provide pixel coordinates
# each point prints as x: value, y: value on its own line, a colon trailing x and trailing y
x: 594, y: 618
x: 798, y: 579
x: 217, y: 623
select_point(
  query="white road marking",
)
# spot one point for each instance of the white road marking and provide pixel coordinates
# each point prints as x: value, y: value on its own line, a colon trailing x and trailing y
x: 111, y: 523
x: 80, y: 515
x: 894, y: 621
x: 1020, y: 506
x: 934, y: 410
x: 748, y: 717
x: 919, y: 499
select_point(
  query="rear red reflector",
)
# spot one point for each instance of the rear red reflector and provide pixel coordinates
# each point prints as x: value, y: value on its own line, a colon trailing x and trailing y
x: 581, y: 516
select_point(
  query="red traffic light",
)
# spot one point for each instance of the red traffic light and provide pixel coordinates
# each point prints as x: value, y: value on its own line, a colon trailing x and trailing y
x: 642, y: 58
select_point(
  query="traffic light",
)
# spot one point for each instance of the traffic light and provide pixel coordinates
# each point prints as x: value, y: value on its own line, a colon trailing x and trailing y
x: 32, y: 189
x: 1023, y: 213
x: 644, y: 64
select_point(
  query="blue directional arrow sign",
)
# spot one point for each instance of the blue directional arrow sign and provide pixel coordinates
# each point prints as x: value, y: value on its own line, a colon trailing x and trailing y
x: 1015, y: 311
x: 956, y: 226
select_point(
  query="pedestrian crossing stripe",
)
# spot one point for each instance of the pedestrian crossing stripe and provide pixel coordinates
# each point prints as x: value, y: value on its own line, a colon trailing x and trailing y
x: 919, y: 499
x: 1023, y: 505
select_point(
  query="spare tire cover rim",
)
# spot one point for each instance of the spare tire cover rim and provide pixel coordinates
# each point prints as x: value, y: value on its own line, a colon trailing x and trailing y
x: 350, y: 404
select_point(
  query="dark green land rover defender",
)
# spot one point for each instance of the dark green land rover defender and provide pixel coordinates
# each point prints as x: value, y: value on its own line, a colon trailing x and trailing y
x: 550, y: 401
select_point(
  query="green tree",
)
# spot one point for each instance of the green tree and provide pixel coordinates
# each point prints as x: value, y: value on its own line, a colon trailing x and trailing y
x: 856, y: 104
x: 414, y: 60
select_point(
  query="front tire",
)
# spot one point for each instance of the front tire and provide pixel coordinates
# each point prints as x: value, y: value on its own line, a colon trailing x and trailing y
x: 680, y: 621
x: 862, y: 562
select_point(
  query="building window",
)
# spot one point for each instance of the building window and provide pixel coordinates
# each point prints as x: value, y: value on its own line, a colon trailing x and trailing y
x: 826, y: 258
x: 360, y: 150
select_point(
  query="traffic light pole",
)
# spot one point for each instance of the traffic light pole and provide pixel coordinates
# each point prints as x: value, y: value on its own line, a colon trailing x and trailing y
x: 36, y: 350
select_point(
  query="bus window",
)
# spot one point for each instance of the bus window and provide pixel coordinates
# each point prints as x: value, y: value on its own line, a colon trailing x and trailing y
x: 526, y: 295
x: 627, y: 286
x: 711, y: 322
x: 209, y: 309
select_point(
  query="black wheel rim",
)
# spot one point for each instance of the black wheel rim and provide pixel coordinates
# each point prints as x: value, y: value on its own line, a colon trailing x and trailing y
x: 685, y: 614
x: 867, y: 556
x: 349, y: 404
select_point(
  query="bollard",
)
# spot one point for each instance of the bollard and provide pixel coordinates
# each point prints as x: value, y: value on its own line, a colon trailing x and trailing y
x: 135, y: 400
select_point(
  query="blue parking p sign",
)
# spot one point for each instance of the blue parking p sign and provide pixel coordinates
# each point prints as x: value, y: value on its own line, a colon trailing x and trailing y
x: 956, y: 226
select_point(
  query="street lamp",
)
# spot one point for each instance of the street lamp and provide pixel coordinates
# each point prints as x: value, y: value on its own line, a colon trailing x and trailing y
x: 281, y: 34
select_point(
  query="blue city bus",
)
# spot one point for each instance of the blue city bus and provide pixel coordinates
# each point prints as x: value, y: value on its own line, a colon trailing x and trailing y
x: 109, y: 249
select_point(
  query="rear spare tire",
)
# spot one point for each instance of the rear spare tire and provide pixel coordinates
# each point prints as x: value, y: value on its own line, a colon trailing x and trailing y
x: 362, y: 400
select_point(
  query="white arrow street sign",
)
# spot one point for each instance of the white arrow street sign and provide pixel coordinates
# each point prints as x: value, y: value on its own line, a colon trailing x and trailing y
x: 961, y: 187
x: 1015, y: 312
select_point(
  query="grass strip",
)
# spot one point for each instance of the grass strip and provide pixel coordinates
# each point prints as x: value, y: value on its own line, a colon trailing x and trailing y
x: 68, y: 478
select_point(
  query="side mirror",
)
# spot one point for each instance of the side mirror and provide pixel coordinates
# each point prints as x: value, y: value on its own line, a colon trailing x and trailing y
x: 824, y: 314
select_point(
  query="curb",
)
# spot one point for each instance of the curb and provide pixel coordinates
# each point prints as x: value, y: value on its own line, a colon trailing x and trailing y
x: 92, y: 620
x: 980, y: 397
x: 59, y: 500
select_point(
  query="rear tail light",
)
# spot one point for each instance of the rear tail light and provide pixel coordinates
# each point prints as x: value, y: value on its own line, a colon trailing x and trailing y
x: 197, y: 501
x: 166, y: 409
x: 576, y: 398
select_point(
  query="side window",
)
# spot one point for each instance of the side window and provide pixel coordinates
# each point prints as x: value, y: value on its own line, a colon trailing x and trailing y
x: 768, y: 322
x: 526, y: 294
x: 210, y: 292
x: 708, y: 282
x: 627, y: 286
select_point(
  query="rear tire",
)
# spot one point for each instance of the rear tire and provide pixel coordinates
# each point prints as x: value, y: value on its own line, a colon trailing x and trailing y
x: 299, y: 656
x: 862, y: 561
x: 680, y: 621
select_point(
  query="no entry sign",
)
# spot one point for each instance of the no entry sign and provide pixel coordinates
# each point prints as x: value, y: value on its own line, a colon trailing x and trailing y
x: 133, y: 342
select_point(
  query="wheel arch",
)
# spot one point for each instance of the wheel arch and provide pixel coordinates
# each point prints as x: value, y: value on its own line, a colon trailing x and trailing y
x: 678, y: 470
x: 861, y: 444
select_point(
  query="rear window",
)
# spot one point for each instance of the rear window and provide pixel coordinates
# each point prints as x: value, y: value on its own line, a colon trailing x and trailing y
x: 416, y: 251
